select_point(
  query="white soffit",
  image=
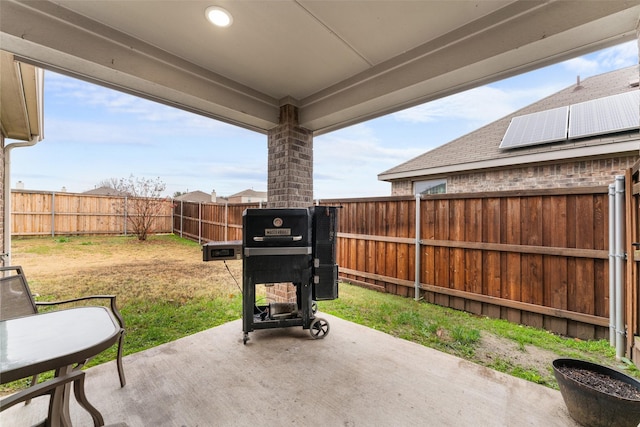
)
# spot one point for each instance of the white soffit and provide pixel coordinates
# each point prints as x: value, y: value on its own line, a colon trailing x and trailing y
x: 537, y: 128
x: 616, y: 113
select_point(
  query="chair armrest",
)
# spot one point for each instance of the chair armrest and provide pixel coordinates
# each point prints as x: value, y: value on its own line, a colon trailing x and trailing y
x: 39, y: 389
x: 112, y: 298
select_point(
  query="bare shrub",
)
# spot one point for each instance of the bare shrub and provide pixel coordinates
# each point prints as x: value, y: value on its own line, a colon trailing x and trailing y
x: 143, y: 204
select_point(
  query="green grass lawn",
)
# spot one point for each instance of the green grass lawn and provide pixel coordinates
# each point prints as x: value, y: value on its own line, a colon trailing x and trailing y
x: 165, y: 292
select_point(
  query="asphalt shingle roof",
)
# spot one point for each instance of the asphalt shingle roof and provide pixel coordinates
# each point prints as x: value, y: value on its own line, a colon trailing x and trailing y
x: 195, y: 196
x: 483, y: 144
x: 250, y: 193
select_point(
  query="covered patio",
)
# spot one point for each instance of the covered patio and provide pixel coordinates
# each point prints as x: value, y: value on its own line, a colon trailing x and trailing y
x: 293, y: 70
x: 356, y: 376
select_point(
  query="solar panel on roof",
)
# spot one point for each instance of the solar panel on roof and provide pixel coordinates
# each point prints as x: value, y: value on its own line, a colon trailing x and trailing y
x: 537, y: 128
x: 616, y: 113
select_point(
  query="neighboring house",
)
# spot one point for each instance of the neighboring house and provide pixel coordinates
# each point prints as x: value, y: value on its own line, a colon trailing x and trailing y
x: 249, y: 196
x: 105, y: 191
x: 199, y: 197
x: 584, y: 135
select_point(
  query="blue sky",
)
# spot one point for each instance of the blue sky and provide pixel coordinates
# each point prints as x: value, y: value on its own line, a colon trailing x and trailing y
x: 94, y: 134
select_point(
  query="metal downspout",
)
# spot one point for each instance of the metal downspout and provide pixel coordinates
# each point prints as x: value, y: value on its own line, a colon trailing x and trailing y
x: 612, y: 265
x: 620, y: 329
x: 7, y: 193
x: 418, y: 244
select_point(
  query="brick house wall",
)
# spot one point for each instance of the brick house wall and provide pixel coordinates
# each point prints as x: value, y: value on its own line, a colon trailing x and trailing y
x: 585, y: 173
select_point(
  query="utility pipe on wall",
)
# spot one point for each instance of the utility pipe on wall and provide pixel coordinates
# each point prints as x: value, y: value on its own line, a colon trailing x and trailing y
x: 7, y: 193
x: 612, y: 265
x: 7, y: 159
x: 619, y: 283
x: 418, y: 243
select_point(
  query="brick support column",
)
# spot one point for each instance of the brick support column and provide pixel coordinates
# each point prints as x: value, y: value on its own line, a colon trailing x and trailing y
x: 290, y: 171
x: 290, y: 177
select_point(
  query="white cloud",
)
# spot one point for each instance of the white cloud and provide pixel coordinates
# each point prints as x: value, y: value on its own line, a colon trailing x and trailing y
x: 477, y: 106
x: 613, y: 58
x: 358, y: 145
x: 582, y: 66
x: 91, y: 132
x: 82, y: 93
x: 346, y: 163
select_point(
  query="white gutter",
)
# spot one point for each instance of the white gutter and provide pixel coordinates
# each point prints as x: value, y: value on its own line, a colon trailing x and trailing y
x: 7, y: 194
x: 7, y: 164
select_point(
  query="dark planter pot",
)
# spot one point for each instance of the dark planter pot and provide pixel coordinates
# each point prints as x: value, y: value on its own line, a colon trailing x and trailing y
x: 594, y: 408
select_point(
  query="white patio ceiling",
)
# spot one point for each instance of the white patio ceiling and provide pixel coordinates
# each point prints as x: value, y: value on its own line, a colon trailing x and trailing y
x: 340, y: 62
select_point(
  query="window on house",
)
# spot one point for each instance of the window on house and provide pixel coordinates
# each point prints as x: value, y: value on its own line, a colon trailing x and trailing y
x: 436, y: 186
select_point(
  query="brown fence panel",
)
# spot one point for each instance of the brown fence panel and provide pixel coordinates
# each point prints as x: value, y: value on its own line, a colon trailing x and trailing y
x: 36, y: 213
x: 208, y: 222
x: 538, y: 258
x: 31, y: 213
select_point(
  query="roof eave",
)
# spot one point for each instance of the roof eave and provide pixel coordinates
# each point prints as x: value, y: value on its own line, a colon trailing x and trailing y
x: 632, y: 146
x: 21, y: 99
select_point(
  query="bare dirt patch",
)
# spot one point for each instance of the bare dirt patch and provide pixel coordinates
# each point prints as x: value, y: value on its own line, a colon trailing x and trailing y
x: 504, y: 353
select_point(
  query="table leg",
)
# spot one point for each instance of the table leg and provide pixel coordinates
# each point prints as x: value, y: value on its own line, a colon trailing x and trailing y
x: 59, y: 403
x: 78, y: 390
x: 59, y: 415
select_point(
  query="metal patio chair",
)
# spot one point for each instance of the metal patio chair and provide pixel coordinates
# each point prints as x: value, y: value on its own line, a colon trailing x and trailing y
x: 48, y: 387
x: 16, y: 300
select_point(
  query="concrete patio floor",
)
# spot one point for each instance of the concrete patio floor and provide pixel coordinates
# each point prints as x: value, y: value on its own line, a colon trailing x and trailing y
x: 356, y: 376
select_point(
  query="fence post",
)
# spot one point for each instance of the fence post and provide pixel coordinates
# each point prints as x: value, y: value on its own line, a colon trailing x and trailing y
x: 181, y: 216
x: 200, y: 222
x: 418, y: 243
x: 126, y: 205
x: 53, y: 214
x: 226, y: 221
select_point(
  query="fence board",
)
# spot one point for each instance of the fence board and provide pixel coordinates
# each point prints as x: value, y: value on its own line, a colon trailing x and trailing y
x: 427, y: 231
x: 491, y: 234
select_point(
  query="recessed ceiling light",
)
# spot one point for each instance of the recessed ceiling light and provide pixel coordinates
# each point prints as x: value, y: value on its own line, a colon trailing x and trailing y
x: 218, y: 16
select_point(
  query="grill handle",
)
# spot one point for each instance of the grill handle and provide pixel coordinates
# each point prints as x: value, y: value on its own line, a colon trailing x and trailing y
x: 277, y: 238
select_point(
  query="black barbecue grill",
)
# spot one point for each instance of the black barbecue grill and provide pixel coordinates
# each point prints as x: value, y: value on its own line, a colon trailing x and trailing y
x: 285, y: 246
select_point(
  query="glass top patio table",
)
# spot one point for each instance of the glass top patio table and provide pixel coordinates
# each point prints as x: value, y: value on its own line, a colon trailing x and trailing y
x: 38, y: 343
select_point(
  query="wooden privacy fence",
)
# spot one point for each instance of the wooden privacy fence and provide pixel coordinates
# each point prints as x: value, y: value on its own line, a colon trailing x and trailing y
x: 538, y: 257
x: 204, y: 222
x: 37, y: 213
